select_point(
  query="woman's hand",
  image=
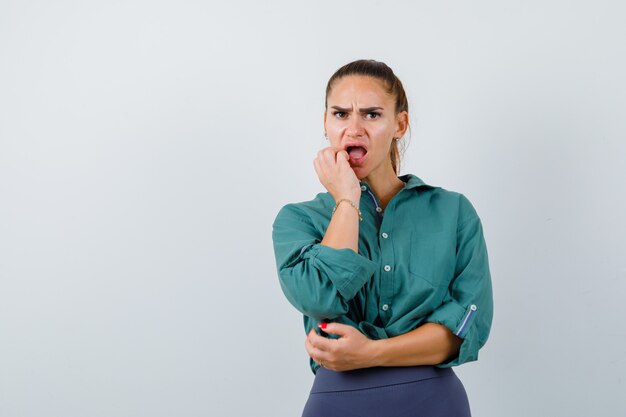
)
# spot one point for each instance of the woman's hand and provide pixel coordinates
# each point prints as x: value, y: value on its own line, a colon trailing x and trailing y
x: 336, y: 174
x: 428, y: 344
x: 350, y: 351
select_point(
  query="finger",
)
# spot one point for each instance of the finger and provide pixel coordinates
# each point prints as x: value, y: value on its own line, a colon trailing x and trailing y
x: 325, y: 151
x: 329, y: 155
x: 343, y: 155
x: 318, y: 168
x: 321, y: 155
x: 310, y: 349
x: 320, y: 343
x: 343, y: 161
x: 316, y: 354
x: 339, y: 329
x: 321, y: 163
x: 331, y: 149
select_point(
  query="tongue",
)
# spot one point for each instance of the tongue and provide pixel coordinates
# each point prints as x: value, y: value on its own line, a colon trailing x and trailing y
x: 356, y: 152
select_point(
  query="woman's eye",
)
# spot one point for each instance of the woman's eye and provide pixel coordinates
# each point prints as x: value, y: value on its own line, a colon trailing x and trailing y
x: 339, y: 114
x: 372, y: 115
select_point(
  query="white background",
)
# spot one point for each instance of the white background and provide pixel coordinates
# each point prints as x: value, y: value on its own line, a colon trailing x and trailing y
x: 146, y: 146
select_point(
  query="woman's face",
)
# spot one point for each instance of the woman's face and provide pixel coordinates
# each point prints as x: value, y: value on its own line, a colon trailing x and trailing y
x: 360, y: 119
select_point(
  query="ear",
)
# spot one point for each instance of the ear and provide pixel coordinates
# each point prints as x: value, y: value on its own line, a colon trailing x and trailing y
x: 324, y: 121
x: 402, y: 123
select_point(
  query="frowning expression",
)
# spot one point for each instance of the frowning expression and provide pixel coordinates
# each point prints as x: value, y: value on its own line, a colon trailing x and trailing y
x: 360, y: 118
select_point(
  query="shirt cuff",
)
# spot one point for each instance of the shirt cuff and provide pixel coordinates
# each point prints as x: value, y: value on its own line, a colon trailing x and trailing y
x: 373, y: 332
x: 461, y: 321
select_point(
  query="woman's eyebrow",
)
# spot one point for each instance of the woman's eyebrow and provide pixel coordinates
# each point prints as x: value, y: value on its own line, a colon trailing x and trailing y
x: 362, y: 110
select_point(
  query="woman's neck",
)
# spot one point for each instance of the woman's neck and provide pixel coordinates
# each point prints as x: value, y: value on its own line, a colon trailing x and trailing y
x: 385, y: 186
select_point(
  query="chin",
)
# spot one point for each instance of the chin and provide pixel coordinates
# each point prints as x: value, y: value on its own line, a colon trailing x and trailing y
x: 360, y: 172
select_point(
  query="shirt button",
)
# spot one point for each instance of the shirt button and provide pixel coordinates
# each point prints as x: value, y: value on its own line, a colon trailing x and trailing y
x: 385, y: 307
x: 387, y: 268
x: 378, y: 209
x: 363, y: 188
x: 385, y: 235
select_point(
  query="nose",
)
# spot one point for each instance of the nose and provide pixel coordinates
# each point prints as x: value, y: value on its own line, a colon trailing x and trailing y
x: 355, y: 128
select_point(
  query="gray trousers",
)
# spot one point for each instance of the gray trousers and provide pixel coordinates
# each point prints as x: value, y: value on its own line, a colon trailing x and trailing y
x: 412, y: 391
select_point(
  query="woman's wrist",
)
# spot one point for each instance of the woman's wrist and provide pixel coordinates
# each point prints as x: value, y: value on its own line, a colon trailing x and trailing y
x: 347, y: 201
x: 376, y: 353
x: 354, y: 196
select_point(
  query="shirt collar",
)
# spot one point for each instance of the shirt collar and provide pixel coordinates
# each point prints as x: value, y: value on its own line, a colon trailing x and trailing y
x: 412, y: 181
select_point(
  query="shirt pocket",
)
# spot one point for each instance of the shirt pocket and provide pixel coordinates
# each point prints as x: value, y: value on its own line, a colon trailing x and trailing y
x: 432, y: 257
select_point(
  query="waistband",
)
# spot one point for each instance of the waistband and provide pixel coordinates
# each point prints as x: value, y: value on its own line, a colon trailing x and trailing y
x: 331, y: 381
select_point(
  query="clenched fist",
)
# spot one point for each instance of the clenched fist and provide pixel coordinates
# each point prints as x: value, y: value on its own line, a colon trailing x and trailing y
x: 336, y: 174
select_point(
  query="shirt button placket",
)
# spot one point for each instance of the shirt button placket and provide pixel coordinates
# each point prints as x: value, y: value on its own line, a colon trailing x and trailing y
x: 387, y: 279
x: 385, y: 307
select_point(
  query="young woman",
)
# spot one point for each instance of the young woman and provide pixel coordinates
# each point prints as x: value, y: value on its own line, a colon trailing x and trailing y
x: 391, y: 274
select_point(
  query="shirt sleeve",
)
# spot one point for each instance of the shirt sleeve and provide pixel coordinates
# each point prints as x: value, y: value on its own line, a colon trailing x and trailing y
x: 318, y: 280
x: 468, y: 307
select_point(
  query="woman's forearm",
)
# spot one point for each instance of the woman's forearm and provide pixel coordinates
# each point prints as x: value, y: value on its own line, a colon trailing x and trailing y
x: 429, y: 344
x: 343, y: 229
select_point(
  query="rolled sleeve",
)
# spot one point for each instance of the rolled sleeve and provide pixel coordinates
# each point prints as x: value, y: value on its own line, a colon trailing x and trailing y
x: 318, y: 280
x: 462, y: 322
x: 468, y: 308
x: 347, y: 270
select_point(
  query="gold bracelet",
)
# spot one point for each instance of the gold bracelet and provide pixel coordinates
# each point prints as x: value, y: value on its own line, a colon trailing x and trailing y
x: 352, y: 204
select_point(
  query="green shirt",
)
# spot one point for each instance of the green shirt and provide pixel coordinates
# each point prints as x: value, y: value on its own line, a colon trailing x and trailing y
x: 421, y: 260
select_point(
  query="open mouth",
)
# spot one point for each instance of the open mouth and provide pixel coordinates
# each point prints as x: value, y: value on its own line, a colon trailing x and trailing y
x: 356, y: 152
